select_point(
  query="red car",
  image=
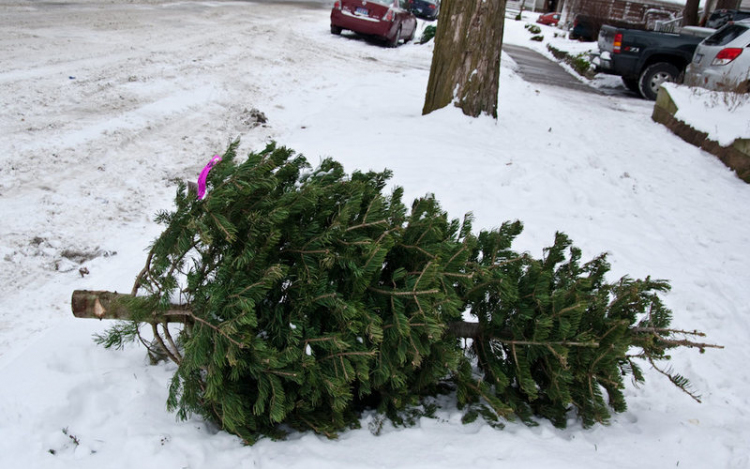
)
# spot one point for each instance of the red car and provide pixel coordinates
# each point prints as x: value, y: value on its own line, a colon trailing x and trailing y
x: 549, y: 18
x: 385, y: 19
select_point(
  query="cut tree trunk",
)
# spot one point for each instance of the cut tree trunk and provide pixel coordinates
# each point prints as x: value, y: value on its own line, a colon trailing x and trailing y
x: 99, y: 304
x: 466, y: 61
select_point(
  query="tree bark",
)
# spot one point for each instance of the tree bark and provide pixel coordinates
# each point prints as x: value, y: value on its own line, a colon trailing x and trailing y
x: 465, y: 66
x: 690, y: 13
x: 728, y: 4
x: 101, y: 304
x: 708, y: 8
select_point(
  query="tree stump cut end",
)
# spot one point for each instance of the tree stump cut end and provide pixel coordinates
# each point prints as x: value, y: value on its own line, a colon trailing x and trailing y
x: 98, y: 305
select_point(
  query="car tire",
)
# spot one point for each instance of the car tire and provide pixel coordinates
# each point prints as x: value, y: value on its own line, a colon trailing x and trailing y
x: 653, y: 77
x: 335, y: 30
x: 394, y: 42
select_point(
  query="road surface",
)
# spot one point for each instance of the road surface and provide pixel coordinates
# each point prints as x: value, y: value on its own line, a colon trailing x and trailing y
x: 536, y: 68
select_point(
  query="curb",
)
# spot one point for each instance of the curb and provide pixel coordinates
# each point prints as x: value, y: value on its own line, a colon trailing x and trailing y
x: 735, y: 156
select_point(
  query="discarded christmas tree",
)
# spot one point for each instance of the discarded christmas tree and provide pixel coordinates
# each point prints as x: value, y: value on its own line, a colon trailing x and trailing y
x: 304, y: 297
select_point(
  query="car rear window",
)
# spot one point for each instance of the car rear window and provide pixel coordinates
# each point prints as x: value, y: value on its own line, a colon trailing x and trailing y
x: 725, y: 35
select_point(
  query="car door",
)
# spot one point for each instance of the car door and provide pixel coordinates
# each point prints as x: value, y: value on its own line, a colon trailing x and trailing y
x: 407, y: 19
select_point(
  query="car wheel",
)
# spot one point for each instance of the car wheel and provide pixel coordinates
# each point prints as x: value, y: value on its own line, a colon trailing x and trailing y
x: 394, y: 42
x: 653, y: 77
x: 335, y: 30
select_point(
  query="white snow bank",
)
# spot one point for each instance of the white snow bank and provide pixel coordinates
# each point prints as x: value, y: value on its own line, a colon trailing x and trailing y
x: 724, y: 116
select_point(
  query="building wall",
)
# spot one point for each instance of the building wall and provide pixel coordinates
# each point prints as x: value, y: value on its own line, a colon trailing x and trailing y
x: 635, y: 12
x: 529, y: 5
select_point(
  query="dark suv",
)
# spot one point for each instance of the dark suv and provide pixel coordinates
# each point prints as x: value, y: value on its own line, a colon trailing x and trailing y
x: 585, y: 28
x: 425, y: 9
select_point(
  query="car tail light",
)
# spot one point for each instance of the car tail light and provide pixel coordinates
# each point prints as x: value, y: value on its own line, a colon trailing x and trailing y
x: 431, y: 6
x: 337, y: 5
x: 726, y: 56
x: 388, y: 16
x: 618, y: 43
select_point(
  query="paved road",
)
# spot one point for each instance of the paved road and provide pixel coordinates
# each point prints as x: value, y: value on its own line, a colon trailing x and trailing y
x: 536, y: 68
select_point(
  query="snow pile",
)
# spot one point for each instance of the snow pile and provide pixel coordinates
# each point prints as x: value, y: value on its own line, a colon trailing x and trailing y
x: 707, y: 111
x: 105, y: 106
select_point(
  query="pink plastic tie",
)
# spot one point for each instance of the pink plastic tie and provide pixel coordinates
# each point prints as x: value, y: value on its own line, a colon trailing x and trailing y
x: 204, y: 175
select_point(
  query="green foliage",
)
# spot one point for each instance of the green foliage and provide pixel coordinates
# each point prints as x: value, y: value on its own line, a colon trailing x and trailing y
x: 579, y: 62
x: 428, y: 34
x: 537, y: 38
x: 310, y: 296
x: 533, y: 29
x: 557, y: 53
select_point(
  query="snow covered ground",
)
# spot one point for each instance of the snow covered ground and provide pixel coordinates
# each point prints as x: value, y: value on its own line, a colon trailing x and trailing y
x: 105, y: 105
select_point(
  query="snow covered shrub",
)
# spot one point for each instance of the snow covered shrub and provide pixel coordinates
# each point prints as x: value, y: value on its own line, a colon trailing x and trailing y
x: 428, y: 34
x: 305, y: 296
x: 580, y: 62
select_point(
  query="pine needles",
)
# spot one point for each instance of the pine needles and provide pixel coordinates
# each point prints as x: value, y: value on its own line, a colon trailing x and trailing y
x: 309, y: 296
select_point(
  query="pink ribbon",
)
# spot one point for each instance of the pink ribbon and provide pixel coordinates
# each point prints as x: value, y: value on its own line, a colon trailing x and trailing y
x: 204, y: 175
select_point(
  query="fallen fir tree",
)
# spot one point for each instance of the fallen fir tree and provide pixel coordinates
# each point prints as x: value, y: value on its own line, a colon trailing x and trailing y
x: 303, y: 298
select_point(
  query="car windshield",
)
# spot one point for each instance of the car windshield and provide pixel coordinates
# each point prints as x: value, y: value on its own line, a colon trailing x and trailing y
x: 726, y: 35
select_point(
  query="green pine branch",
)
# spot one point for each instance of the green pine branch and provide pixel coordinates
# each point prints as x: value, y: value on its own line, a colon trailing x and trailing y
x: 308, y: 296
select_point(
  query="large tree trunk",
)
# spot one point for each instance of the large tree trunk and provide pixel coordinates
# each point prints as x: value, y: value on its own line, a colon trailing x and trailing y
x: 708, y: 8
x: 690, y: 13
x: 466, y: 61
x: 728, y: 5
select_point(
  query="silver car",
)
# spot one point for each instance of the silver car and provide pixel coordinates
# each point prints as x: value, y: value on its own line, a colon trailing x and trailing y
x: 722, y: 61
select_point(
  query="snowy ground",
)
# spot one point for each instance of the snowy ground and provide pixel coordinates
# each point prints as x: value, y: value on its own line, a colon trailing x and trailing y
x: 104, y: 106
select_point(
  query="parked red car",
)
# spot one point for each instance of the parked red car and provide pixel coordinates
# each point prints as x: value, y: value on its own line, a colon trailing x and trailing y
x: 389, y: 20
x: 549, y: 18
